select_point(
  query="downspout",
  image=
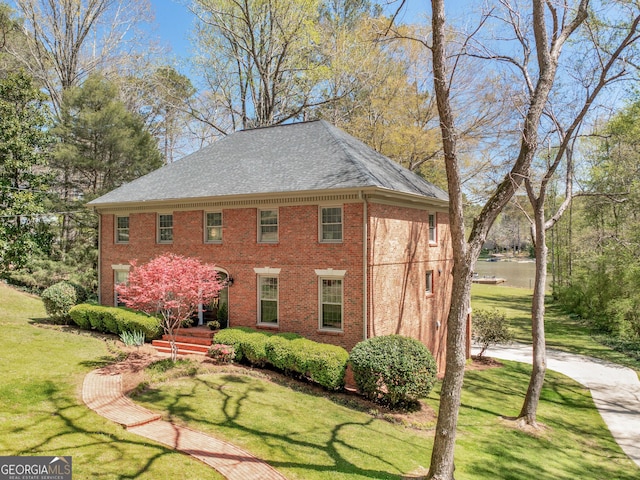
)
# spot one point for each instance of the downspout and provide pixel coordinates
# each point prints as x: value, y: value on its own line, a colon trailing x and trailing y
x: 365, y: 261
x: 99, y: 255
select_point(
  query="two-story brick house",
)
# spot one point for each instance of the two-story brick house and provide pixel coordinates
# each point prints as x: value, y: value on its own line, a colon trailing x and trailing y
x: 321, y: 235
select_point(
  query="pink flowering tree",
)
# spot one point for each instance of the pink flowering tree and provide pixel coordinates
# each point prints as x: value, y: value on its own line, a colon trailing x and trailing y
x: 172, y: 287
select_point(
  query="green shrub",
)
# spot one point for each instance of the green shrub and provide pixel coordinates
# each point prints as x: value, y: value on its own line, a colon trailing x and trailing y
x: 132, y: 339
x: 58, y: 300
x: 253, y: 348
x: 325, y: 364
x: 115, y: 320
x: 490, y: 327
x: 393, y: 370
x: 280, y: 352
x: 233, y: 337
x: 80, y: 315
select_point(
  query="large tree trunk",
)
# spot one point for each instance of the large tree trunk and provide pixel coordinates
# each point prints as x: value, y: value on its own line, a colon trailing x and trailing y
x: 442, y: 463
x: 539, y: 367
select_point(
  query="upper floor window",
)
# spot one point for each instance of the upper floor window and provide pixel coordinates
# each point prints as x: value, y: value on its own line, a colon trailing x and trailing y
x: 432, y: 228
x: 122, y: 229
x: 268, y: 226
x: 331, y: 224
x: 165, y: 228
x: 213, y: 227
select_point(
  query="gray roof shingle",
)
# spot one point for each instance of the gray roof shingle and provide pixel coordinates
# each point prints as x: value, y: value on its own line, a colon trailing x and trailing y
x: 288, y: 158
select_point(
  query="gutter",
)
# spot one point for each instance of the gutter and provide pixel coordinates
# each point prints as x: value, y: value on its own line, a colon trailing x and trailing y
x: 365, y: 261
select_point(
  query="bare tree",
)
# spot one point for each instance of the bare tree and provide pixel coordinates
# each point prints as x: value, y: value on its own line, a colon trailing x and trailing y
x: 611, y: 67
x: 69, y: 39
x: 551, y: 27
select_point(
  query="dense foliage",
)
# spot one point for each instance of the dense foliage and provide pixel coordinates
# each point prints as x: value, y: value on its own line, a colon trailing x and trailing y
x: 320, y: 363
x: 115, y: 320
x: 393, y: 370
x: 603, y: 246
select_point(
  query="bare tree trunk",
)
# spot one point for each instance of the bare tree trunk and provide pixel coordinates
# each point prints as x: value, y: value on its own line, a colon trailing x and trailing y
x: 539, y: 367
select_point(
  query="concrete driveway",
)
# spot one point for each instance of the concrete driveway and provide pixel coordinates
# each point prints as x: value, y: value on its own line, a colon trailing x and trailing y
x: 615, y: 389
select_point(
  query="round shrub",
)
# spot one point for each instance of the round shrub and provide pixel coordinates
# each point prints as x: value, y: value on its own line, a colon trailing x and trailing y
x: 393, y: 370
x: 58, y: 300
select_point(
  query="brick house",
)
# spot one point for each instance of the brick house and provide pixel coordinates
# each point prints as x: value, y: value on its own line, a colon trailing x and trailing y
x: 317, y: 233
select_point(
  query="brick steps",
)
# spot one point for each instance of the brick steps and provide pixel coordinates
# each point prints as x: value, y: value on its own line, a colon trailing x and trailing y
x: 190, y: 341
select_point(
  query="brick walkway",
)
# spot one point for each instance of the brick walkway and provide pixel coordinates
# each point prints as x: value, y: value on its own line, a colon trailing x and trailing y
x: 103, y: 393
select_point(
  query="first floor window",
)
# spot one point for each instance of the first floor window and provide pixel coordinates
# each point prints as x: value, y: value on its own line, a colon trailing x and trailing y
x: 165, y: 228
x: 122, y: 229
x: 331, y: 303
x: 213, y: 227
x: 268, y: 300
x: 429, y: 282
x: 119, y: 277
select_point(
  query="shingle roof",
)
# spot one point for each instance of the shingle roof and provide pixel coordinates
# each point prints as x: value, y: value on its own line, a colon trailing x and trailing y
x: 288, y: 158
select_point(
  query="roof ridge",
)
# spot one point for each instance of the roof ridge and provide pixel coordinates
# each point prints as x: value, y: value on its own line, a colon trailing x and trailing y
x: 333, y: 132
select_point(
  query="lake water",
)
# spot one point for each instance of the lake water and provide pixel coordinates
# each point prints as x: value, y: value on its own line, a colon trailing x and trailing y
x: 517, y: 274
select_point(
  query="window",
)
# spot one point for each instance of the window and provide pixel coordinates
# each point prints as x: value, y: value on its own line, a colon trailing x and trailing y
x: 165, y: 228
x: 213, y: 227
x: 122, y: 229
x: 119, y: 276
x: 331, y: 303
x: 268, y: 226
x: 429, y: 282
x: 331, y: 224
x: 432, y: 228
x: 267, y: 300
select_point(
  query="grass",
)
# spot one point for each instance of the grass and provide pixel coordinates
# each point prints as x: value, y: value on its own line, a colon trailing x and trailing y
x: 41, y: 412
x: 562, y: 331
x: 304, y: 435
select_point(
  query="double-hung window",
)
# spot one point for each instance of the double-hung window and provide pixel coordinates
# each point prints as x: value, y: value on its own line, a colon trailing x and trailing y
x: 432, y: 228
x: 213, y: 227
x: 267, y: 300
x: 165, y: 228
x: 330, y: 224
x: 120, y: 275
x: 268, y: 226
x: 122, y: 229
x: 331, y: 299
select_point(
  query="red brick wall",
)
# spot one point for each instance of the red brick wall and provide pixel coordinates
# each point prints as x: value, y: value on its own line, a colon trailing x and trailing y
x: 401, y: 255
x: 298, y: 254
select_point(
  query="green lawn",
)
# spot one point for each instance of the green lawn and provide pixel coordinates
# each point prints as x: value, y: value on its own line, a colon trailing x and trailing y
x: 562, y: 332
x: 41, y: 411
x: 305, y: 436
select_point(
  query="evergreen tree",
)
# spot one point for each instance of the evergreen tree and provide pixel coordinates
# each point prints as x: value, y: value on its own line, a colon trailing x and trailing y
x: 24, y: 141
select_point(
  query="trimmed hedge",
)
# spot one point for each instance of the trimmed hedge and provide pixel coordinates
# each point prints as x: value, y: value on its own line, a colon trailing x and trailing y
x: 115, y: 320
x: 321, y: 363
x: 393, y: 370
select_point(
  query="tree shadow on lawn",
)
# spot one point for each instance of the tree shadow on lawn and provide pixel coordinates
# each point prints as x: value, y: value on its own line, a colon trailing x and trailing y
x: 71, y: 435
x: 232, y: 406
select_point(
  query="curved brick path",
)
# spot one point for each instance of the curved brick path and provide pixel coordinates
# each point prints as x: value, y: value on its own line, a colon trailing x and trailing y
x: 102, y: 393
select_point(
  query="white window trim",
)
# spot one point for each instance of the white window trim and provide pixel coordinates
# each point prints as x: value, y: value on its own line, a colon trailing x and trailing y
x: 118, y: 268
x: 206, y: 233
x: 435, y: 228
x: 320, y: 224
x: 429, y: 291
x: 164, y: 242
x: 320, y: 303
x: 259, y: 230
x: 121, y: 242
x: 259, y: 299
